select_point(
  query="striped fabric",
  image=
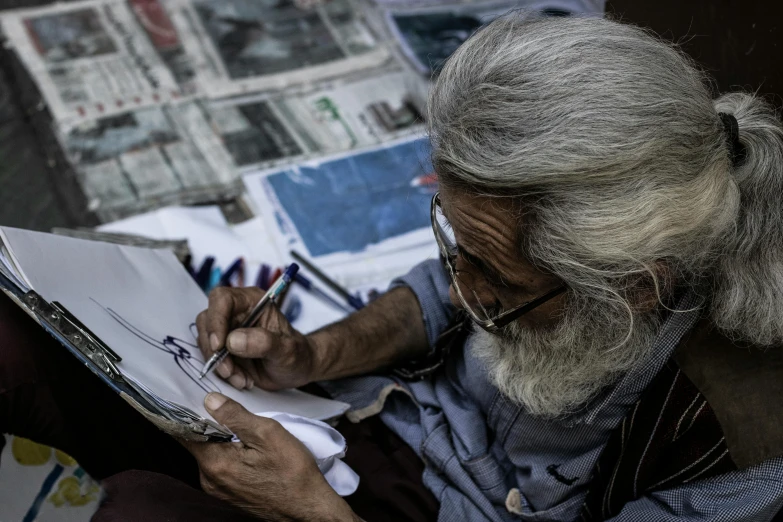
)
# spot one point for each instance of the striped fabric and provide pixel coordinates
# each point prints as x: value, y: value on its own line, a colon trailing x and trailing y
x: 486, y: 458
x: 670, y: 437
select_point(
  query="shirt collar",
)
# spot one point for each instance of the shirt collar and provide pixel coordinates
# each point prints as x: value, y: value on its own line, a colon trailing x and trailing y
x: 627, y: 389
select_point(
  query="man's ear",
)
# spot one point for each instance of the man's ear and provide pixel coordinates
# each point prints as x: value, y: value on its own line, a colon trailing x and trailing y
x: 647, y: 291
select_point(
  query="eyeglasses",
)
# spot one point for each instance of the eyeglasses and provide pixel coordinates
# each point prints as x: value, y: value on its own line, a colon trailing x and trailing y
x: 480, y: 297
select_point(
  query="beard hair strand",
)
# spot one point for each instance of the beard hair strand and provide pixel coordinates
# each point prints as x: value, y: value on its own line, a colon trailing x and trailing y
x: 553, y: 372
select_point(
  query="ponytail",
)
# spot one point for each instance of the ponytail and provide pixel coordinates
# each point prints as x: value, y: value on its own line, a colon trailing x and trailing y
x: 747, y: 299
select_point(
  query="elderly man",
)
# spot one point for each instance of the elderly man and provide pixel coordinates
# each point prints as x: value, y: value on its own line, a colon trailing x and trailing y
x: 600, y: 339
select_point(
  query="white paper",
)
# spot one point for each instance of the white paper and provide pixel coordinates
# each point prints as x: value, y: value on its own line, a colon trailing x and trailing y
x: 143, y: 304
x: 207, y: 233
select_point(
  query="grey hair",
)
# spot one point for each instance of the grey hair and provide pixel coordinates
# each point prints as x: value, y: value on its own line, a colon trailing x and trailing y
x: 612, y: 140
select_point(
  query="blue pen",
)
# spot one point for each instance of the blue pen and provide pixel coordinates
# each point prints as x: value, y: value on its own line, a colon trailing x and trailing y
x: 292, y: 308
x: 204, y: 272
x: 214, y: 280
x: 352, y: 300
x: 271, y: 295
x: 262, y: 281
x: 310, y: 287
x: 237, y: 267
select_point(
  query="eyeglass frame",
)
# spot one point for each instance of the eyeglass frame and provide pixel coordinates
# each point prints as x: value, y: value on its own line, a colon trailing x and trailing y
x: 496, y: 323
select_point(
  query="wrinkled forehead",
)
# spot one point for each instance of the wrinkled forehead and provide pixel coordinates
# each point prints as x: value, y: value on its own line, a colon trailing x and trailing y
x: 467, y: 207
x: 484, y: 225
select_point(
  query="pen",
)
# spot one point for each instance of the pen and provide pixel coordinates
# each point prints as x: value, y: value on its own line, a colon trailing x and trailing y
x: 273, y: 293
x: 354, y: 301
x: 204, y: 272
x: 310, y: 287
x: 262, y: 280
x: 214, y: 280
x: 238, y: 268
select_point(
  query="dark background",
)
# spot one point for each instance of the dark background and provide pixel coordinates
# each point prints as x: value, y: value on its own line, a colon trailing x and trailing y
x: 739, y: 43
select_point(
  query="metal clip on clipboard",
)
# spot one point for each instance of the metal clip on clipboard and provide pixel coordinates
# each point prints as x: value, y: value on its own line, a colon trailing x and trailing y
x: 101, y: 360
x: 59, y: 320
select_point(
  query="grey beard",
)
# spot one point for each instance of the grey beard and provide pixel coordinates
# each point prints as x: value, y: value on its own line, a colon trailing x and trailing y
x: 553, y: 372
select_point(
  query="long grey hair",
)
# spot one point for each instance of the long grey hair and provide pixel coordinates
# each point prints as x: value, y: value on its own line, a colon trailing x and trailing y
x: 612, y: 139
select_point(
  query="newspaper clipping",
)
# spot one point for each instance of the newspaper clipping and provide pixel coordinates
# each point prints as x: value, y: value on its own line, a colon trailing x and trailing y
x: 133, y: 161
x: 255, y: 45
x: 92, y: 59
x: 336, y: 116
x: 428, y: 32
x: 350, y: 206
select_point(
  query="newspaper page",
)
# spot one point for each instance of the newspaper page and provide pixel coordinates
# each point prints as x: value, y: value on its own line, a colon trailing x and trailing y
x: 91, y: 58
x: 342, y: 116
x: 156, y: 23
x: 358, y: 209
x: 334, y: 116
x: 248, y: 46
x: 146, y: 158
x: 430, y: 32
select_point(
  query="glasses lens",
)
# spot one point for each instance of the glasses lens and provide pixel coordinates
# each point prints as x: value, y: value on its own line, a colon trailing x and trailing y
x: 471, y: 290
x: 483, y: 298
x: 445, y: 234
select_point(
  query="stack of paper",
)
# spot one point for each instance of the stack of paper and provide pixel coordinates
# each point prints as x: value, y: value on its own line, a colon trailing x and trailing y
x: 143, y: 305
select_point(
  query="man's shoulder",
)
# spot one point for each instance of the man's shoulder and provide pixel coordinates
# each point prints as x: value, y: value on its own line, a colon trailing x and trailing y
x: 743, y: 385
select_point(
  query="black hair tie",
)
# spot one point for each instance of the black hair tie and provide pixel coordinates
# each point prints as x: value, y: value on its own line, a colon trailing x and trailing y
x: 736, y: 148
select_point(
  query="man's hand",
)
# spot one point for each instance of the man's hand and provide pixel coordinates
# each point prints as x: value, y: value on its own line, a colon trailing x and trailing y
x: 269, y: 474
x: 271, y: 355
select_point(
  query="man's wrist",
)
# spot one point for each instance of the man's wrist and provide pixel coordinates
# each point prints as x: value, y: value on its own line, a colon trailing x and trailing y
x: 335, y: 509
x: 323, y: 354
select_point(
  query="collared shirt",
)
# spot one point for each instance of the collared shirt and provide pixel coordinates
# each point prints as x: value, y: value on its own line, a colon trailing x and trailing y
x: 486, y: 458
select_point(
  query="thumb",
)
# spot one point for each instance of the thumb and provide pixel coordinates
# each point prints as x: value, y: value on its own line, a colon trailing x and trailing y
x: 248, y: 427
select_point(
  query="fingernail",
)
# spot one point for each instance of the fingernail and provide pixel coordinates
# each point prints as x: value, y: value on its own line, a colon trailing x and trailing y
x: 214, y: 401
x: 250, y: 384
x: 214, y: 342
x: 223, y: 370
x: 237, y: 341
x: 237, y: 381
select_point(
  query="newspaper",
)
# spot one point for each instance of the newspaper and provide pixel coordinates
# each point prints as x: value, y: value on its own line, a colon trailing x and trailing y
x: 429, y: 32
x: 352, y: 212
x: 334, y: 116
x: 92, y: 58
x: 137, y: 160
x: 343, y: 116
x: 245, y: 46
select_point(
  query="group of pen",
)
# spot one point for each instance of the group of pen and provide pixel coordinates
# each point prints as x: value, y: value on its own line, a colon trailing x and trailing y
x: 275, y: 287
x: 208, y: 277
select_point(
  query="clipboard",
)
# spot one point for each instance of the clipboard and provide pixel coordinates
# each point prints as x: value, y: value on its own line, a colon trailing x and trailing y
x: 135, y: 329
x: 101, y: 360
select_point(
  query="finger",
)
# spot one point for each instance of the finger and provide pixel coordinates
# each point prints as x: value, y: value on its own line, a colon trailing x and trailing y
x: 251, y: 429
x: 230, y: 371
x: 235, y: 374
x: 225, y: 368
x: 221, y: 310
x: 202, y: 451
x: 256, y: 343
x: 213, y: 458
x: 202, y: 339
